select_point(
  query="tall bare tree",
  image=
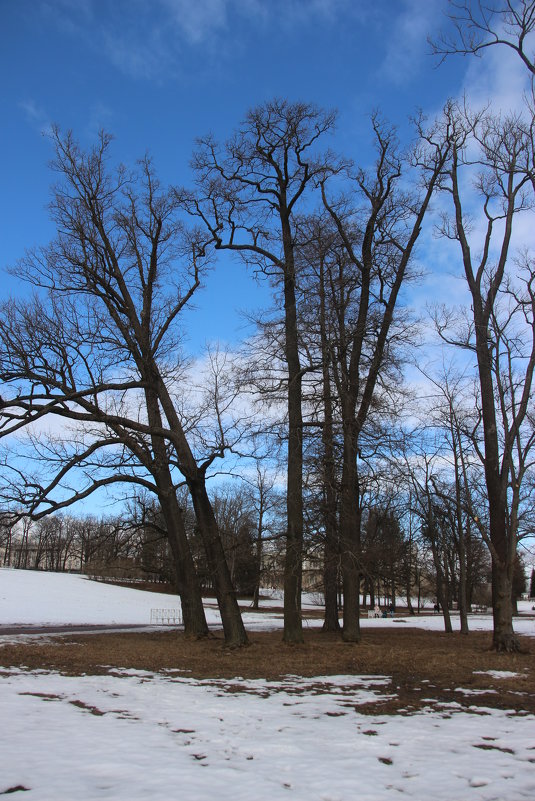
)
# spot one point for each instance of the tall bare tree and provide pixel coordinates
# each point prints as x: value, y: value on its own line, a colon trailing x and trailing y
x: 378, y: 223
x: 119, y: 273
x: 249, y: 192
x: 499, y: 330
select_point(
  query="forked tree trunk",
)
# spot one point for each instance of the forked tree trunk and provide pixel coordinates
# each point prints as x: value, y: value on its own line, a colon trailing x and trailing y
x: 231, y: 619
x: 233, y: 628
x: 187, y: 581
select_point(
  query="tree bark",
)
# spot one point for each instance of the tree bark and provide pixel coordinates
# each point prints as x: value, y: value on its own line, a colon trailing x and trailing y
x: 187, y: 581
x: 293, y: 566
x: 350, y: 537
x: 331, y: 551
x: 233, y: 628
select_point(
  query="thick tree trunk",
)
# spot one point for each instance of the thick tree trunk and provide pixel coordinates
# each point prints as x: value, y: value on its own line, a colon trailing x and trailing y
x: 233, y: 628
x: 330, y: 585
x: 187, y: 581
x: 497, y: 472
x: 293, y: 566
x: 442, y: 595
x: 331, y: 550
x: 350, y: 539
x: 504, y: 637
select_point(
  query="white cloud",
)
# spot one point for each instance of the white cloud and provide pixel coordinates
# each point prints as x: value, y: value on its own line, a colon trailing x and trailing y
x: 197, y: 20
x: 498, y: 78
x: 136, y: 57
x: 145, y: 40
x: 408, y: 42
x: 36, y: 115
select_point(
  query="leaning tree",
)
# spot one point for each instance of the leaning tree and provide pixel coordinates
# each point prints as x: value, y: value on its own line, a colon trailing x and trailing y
x: 101, y: 343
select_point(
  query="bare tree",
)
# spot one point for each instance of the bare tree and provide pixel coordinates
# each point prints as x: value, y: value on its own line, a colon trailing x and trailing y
x: 480, y: 24
x: 378, y: 224
x: 118, y: 275
x: 249, y: 192
x: 500, y: 329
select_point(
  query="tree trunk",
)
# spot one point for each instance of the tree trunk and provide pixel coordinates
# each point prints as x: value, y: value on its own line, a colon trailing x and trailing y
x: 233, y: 628
x: 330, y: 584
x: 504, y: 637
x: 442, y: 597
x: 350, y: 538
x: 293, y: 566
x: 258, y: 558
x: 497, y: 472
x: 331, y: 545
x: 462, y: 595
x: 187, y: 581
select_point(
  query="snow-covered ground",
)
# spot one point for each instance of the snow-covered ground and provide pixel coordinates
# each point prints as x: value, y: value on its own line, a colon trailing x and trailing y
x: 136, y: 735
x: 36, y: 598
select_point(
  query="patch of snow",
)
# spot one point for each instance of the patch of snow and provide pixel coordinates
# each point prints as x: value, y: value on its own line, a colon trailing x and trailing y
x: 500, y: 674
x: 133, y: 737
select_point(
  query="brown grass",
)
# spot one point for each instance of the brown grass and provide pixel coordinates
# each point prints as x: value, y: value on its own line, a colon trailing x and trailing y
x: 422, y: 665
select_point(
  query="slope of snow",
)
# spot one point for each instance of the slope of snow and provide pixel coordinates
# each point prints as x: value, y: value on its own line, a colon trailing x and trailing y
x: 29, y: 597
x: 39, y: 598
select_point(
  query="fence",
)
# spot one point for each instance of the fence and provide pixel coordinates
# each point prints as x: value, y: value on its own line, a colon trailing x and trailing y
x: 166, y: 617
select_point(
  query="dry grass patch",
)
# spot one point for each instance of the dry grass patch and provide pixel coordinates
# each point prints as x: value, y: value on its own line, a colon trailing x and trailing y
x: 422, y: 665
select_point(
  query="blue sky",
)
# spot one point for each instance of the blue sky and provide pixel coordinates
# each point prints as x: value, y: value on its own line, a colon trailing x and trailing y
x: 158, y: 73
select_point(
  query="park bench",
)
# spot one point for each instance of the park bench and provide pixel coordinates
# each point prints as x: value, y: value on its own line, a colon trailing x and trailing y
x: 373, y: 613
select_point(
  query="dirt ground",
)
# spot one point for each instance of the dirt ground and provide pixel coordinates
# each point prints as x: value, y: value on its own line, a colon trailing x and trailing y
x: 423, y: 665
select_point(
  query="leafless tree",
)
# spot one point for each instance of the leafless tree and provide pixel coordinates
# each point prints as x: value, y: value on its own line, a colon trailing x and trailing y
x: 105, y: 342
x: 480, y: 24
x: 249, y: 192
x: 378, y: 223
x: 499, y: 330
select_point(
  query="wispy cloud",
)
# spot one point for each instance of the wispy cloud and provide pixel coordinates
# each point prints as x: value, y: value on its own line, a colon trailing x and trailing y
x: 36, y: 115
x: 153, y: 40
x: 197, y: 21
x: 137, y: 56
x: 498, y: 78
x: 408, y: 42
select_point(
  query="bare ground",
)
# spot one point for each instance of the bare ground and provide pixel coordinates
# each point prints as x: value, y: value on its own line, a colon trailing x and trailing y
x: 422, y: 665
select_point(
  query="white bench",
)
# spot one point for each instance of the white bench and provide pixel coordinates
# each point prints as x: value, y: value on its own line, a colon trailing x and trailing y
x: 166, y: 617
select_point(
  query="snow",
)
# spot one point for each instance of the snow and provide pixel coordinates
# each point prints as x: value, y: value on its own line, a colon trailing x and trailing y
x: 36, y: 598
x: 501, y: 674
x: 138, y: 735
x: 31, y: 597
x: 133, y: 734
